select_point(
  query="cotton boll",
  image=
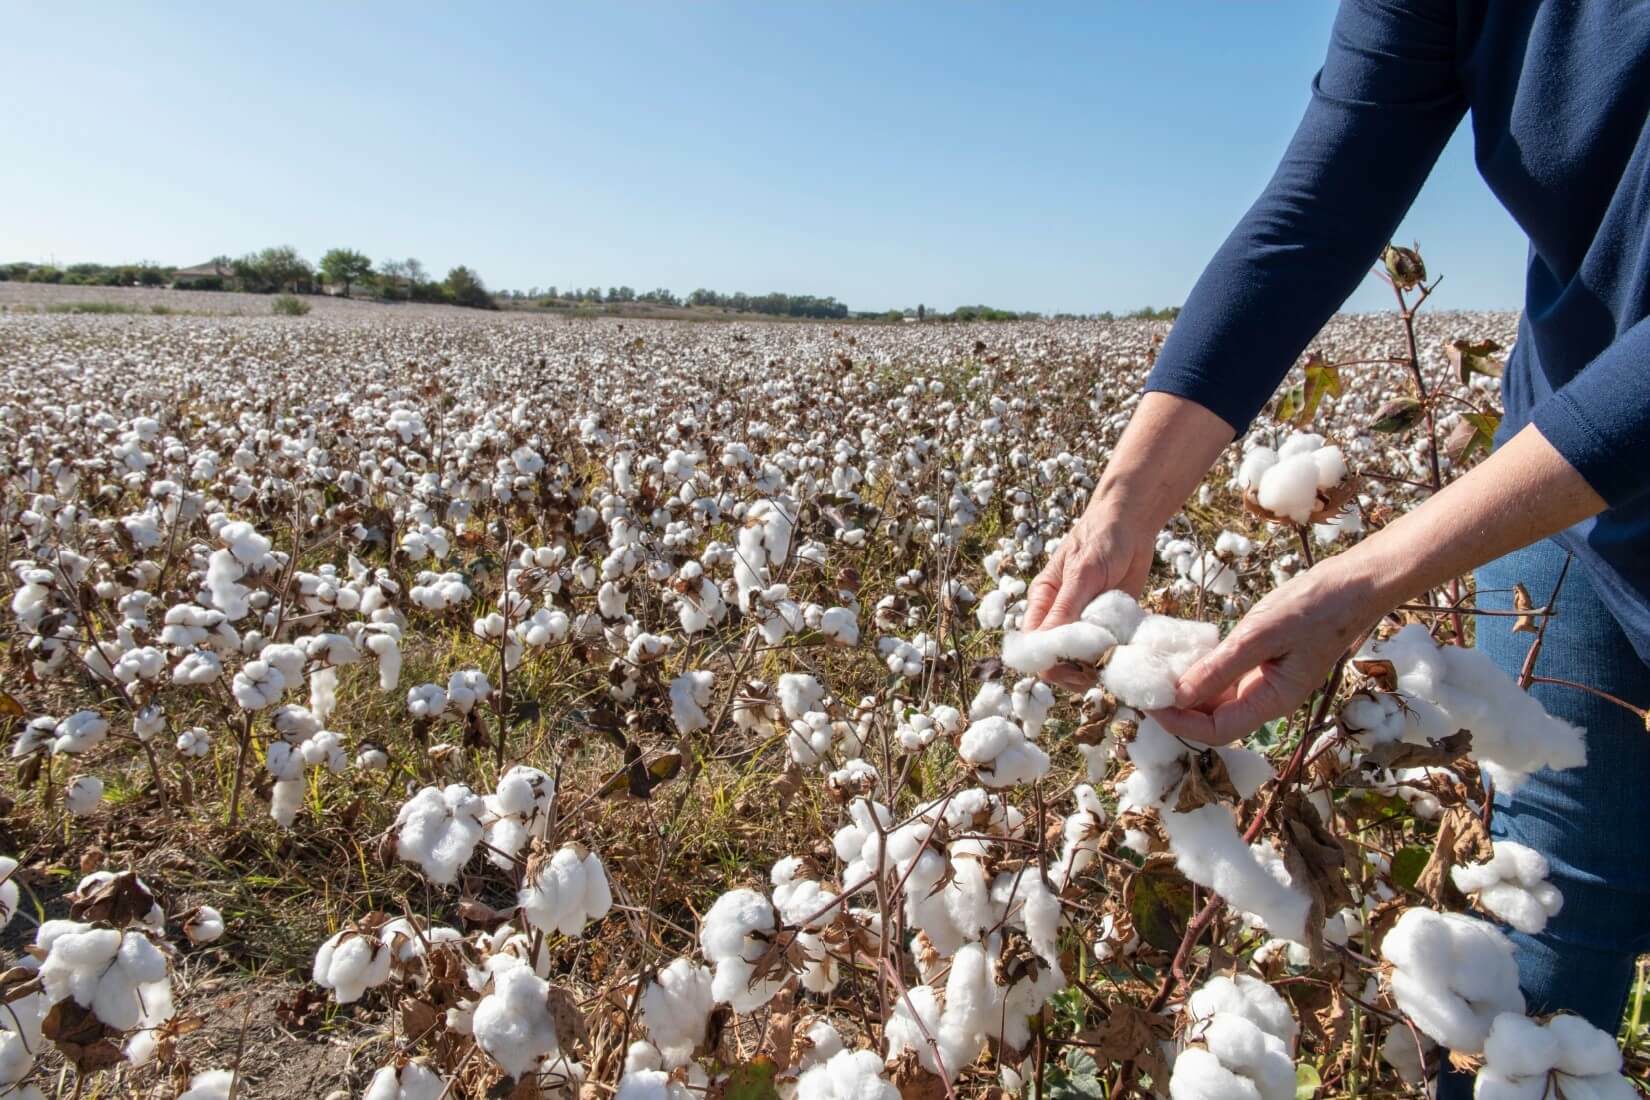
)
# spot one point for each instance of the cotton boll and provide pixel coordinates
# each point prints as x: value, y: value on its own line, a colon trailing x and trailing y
x: 204, y: 925
x: 1256, y: 461
x: 840, y: 625
x: 676, y: 1006
x: 1140, y: 678
x: 1001, y: 756
x: 350, y: 962
x: 1452, y: 976
x: 512, y: 1023
x: 1290, y: 488
x: 1238, y: 1059
x: 565, y: 892
x: 412, y: 1081
x: 1247, y: 996
x: 1565, y: 1055
x: 1512, y: 885
x: 916, y: 1019
x: 689, y: 696
x: 847, y: 1075
x: 732, y: 935
x: 217, y: 1084
x: 1031, y: 701
x: 194, y: 742
x: 438, y: 829
x: 83, y: 795
x: 1512, y: 736
x: 79, y: 732
x: 1035, y: 652
x: 799, y: 693
x: 1115, y: 612
x: 1182, y: 642
x: 992, y: 700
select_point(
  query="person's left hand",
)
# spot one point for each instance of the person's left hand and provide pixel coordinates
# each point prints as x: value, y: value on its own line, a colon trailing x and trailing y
x: 1276, y: 656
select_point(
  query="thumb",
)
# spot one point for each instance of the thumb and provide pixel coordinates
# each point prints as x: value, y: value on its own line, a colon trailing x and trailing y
x: 1078, y: 586
x: 1209, y: 676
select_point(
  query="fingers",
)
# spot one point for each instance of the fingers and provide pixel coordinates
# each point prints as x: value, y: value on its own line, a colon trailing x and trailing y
x: 1070, y: 601
x: 1243, y: 650
x: 1262, y: 694
x: 1040, y: 597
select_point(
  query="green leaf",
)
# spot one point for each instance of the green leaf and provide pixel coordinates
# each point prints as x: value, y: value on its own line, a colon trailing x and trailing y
x: 1407, y: 865
x: 1307, y: 1081
x: 752, y: 1080
x: 1473, y: 433
x: 1290, y: 404
x: 1398, y: 415
x: 1321, y: 377
x: 1160, y: 901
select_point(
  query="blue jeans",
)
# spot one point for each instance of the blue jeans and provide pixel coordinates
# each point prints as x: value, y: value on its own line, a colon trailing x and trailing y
x: 1592, y: 823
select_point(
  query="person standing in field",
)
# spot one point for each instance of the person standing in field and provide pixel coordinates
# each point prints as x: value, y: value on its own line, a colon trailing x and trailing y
x: 1558, y: 96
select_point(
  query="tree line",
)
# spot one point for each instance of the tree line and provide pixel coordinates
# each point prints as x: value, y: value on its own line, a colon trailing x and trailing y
x: 277, y: 270
x: 281, y: 270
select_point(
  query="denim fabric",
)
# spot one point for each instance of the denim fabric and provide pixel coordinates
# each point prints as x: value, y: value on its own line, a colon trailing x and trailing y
x: 1592, y: 823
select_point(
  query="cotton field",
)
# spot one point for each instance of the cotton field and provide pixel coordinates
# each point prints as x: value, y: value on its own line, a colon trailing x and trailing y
x: 488, y: 706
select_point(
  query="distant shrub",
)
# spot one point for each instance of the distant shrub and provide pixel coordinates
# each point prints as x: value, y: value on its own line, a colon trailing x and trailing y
x: 288, y: 305
x: 91, y: 307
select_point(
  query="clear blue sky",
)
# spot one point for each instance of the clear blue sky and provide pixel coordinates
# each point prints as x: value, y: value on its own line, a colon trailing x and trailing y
x: 1055, y: 157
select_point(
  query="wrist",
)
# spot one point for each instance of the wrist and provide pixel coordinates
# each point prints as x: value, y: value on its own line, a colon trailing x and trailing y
x: 1367, y: 583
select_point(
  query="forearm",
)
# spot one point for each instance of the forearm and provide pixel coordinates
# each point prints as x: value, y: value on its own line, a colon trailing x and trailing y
x: 1524, y: 492
x: 1165, y: 451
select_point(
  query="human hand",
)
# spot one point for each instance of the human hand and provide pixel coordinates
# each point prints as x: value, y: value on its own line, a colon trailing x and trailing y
x: 1100, y: 553
x: 1277, y: 655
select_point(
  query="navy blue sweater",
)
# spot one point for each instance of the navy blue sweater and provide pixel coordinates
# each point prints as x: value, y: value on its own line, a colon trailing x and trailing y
x: 1559, y: 98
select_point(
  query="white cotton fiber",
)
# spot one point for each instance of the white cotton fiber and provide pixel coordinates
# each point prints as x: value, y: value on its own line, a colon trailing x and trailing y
x: 413, y: 1081
x: 512, y: 1024
x: 351, y: 962
x: 1247, y: 996
x: 1143, y: 673
x: 1526, y: 1059
x: 565, y: 892
x: 1036, y: 651
x: 847, y: 1075
x: 438, y: 829
x: 733, y: 935
x: 1512, y: 736
x: 1116, y: 612
x: 1452, y: 976
x: 1000, y: 754
x: 1512, y: 885
x: 1140, y: 678
x: 676, y: 1007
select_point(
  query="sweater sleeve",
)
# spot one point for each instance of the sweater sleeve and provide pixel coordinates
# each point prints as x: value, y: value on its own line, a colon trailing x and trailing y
x: 1383, y: 106
x: 1600, y: 419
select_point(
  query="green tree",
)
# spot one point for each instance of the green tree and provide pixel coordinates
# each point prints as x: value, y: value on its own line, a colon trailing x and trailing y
x: 346, y: 266
x: 465, y: 288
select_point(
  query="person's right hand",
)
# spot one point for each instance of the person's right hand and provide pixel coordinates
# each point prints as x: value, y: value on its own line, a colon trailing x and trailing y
x: 1100, y: 553
x: 1113, y: 543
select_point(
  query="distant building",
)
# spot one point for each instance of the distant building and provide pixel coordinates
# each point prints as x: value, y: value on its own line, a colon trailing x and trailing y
x: 207, y: 276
